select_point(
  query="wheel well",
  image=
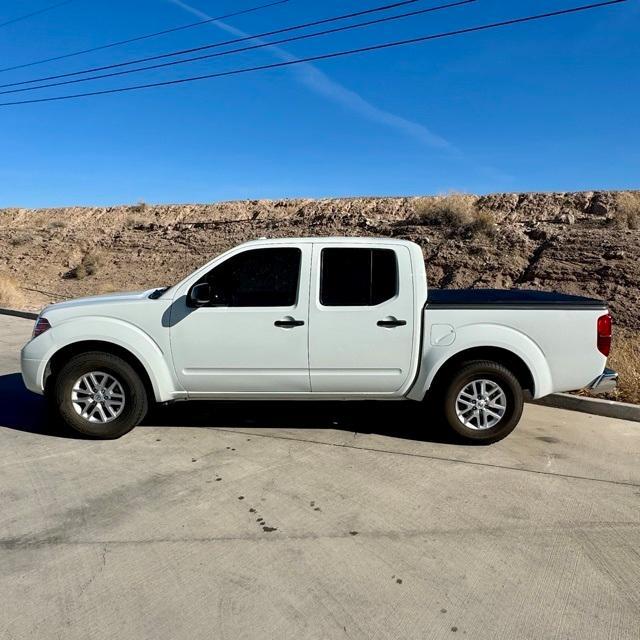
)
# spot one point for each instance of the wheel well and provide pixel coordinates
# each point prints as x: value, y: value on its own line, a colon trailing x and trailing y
x: 506, y: 358
x: 60, y: 357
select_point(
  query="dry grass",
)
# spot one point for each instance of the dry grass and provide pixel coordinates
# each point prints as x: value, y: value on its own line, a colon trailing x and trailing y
x: 451, y: 210
x: 627, y: 212
x: 10, y: 295
x: 108, y: 287
x: 88, y: 266
x: 625, y: 359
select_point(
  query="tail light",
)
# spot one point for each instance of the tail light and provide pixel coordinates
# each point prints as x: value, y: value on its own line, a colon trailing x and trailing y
x: 604, y: 334
x: 42, y: 325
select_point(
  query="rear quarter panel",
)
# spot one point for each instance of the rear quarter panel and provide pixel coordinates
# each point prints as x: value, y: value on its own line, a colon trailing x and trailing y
x: 559, y: 346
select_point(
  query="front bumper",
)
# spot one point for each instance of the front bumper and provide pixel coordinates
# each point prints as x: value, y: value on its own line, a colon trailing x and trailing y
x: 605, y: 382
x: 31, y: 375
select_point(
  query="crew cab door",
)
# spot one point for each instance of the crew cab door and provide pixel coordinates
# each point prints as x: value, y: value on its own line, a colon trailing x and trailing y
x: 252, y: 338
x: 362, y: 318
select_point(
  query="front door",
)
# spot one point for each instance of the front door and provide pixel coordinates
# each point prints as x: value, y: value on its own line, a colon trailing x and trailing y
x: 253, y: 336
x: 361, y: 319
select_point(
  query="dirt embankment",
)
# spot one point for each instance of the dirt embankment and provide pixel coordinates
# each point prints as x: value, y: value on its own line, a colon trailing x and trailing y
x: 584, y: 243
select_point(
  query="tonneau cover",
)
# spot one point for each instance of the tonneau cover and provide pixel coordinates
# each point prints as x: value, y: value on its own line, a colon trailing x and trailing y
x: 509, y: 298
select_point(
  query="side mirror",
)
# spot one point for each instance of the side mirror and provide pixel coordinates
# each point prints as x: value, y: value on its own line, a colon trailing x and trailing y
x: 200, y: 295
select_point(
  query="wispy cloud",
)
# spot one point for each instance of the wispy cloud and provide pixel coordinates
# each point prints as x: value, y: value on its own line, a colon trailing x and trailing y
x: 321, y: 84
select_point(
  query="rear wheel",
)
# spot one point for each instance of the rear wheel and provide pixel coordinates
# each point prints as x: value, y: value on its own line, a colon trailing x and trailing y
x: 483, y: 401
x: 100, y: 395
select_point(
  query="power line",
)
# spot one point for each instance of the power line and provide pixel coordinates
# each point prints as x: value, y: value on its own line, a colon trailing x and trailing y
x: 213, y: 45
x: 326, y: 56
x: 129, y: 40
x: 306, y: 36
x: 35, y: 13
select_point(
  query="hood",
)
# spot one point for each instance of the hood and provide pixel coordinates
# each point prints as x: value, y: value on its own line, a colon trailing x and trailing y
x: 105, y: 299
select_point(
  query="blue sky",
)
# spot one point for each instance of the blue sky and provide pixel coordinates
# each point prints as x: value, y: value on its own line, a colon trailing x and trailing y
x: 545, y: 106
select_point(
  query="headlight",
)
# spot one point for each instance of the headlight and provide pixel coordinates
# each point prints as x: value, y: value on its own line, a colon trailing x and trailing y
x: 42, y: 325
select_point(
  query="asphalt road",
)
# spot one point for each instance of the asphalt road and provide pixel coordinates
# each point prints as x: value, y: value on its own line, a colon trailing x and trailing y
x: 314, y: 521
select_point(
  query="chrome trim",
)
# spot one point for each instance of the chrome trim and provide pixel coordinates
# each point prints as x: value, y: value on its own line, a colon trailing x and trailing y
x: 606, y: 381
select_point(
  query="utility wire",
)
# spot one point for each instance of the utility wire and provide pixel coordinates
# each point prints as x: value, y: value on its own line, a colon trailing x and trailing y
x: 129, y: 40
x: 326, y: 56
x: 306, y: 36
x: 35, y: 13
x: 213, y: 45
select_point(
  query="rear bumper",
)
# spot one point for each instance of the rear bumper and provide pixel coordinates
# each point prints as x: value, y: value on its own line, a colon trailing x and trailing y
x: 606, y: 381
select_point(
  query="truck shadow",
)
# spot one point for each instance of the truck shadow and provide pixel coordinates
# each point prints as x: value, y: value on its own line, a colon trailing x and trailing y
x: 24, y: 411
x: 407, y: 420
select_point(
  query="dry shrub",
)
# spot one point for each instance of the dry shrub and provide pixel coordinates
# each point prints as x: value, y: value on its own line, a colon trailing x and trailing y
x: 88, y: 266
x: 458, y: 212
x: 627, y: 211
x: 451, y: 210
x: 10, y: 295
x: 139, y: 207
x: 483, y: 224
x: 134, y: 221
x: 20, y: 239
x: 625, y: 359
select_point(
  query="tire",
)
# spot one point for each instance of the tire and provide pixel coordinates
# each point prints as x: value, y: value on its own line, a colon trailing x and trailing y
x: 505, y: 400
x: 123, y: 405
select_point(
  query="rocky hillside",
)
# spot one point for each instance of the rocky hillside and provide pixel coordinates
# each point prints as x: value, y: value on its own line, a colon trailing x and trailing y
x: 584, y: 243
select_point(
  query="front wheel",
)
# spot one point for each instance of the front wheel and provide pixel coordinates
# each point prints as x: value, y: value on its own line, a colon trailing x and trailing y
x: 100, y: 395
x: 483, y: 402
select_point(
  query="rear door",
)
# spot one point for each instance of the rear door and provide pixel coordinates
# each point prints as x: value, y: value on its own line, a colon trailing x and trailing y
x: 361, y: 318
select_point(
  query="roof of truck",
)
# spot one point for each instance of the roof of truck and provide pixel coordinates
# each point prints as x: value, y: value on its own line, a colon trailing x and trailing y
x: 337, y: 239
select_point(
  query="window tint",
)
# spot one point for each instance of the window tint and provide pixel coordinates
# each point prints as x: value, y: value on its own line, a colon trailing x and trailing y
x: 358, y: 277
x: 257, y: 278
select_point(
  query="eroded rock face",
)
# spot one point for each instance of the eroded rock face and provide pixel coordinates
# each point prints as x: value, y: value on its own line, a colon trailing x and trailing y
x: 559, y: 241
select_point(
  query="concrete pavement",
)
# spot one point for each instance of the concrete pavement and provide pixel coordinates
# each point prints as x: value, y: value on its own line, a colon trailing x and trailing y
x: 309, y: 520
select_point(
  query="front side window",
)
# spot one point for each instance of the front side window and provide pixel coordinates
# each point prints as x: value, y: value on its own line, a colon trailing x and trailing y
x: 257, y: 278
x: 353, y: 277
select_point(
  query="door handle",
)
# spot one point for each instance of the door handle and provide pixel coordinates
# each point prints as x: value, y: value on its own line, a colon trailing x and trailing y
x: 288, y: 323
x: 391, y: 322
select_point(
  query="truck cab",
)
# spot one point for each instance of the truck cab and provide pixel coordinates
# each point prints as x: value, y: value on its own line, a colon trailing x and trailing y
x: 335, y: 318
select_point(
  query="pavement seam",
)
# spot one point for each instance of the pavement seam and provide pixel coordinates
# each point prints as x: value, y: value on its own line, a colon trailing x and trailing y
x: 568, y: 528
x: 431, y: 457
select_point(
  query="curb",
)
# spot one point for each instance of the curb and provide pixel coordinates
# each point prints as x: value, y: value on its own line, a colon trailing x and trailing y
x: 29, y: 315
x: 594, y: 406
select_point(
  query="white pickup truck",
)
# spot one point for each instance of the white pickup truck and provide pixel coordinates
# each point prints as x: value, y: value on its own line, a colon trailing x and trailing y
x: 316, y: 319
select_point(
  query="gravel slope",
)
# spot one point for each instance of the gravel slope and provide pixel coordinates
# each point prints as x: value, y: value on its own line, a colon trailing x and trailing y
x: 566, y: 242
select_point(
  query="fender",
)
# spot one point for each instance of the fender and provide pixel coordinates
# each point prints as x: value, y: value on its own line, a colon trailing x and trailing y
x: 117, y: 332
x: 482, y: 335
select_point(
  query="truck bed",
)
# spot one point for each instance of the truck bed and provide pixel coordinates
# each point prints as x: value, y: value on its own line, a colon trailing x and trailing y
x: 554, y: 334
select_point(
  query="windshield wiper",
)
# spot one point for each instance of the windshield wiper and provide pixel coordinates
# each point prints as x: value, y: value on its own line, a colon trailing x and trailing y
x: 154, y: 295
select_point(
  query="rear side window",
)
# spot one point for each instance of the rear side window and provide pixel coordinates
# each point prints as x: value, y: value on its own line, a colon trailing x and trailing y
x: 257, y: 278
x: 357, y: 277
